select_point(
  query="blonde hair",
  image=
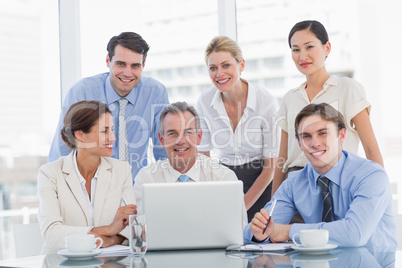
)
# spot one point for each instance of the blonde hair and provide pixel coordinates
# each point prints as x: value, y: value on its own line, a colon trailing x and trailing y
x: 224, y: 43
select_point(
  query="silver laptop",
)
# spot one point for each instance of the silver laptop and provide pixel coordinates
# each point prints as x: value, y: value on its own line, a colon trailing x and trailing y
x: 193, y: 215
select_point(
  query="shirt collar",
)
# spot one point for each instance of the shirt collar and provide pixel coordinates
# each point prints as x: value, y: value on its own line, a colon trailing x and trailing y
x: 334, y: 174
x: 193, y: 172
x: 174, y: 174
x: 112, y: 96
x: 217, y: 101
x: 251, y: 97
x: 80, y: 177
x: 331, y: 81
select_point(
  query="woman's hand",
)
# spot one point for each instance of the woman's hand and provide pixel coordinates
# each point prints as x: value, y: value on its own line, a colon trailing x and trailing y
x: 120, y: 221
x: 109, y: 241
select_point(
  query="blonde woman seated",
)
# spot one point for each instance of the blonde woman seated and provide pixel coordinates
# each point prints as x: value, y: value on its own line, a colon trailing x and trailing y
x: 82, y: 192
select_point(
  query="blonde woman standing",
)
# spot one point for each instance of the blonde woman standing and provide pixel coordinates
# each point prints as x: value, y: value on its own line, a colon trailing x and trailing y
x: 238, y: 121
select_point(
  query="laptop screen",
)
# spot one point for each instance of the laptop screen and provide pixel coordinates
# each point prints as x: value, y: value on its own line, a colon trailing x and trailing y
x: 193, y: 215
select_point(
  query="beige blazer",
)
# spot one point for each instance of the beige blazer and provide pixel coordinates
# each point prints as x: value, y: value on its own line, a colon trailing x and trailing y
x: 62, y: 207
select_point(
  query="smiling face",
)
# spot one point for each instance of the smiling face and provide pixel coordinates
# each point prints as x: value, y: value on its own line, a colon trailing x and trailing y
x: 180, y: 140
x: 99, y: 140
x: 321, y: 142
x: 308, y: 53
x: 224, y: 70
x: 125, y: 69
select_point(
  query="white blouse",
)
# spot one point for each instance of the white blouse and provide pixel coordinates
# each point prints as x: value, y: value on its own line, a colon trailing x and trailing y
x: 255, y: 137
x: 94, y: 180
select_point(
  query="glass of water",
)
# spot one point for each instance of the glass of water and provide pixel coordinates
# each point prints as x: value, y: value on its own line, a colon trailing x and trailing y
x: 138, y: 262
x: 138, y: 234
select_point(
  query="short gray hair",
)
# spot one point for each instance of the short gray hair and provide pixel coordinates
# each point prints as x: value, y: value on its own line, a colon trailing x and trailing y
x: 176, y: 108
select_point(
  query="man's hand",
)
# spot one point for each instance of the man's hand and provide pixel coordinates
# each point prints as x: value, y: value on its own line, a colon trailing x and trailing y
x: 263, y: 261
x: 277, y: 232
x: 281, y: 233
x: 258, y: 224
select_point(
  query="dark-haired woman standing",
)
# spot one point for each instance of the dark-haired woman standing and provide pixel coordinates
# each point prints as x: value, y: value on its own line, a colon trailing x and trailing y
x: 82, y: 192
x: 310, y: 46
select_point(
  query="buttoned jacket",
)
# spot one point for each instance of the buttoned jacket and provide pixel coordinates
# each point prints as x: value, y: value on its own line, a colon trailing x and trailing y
x: 62, y: 205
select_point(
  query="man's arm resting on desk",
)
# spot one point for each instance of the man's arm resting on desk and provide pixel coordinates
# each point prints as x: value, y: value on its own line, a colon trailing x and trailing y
x: 280, y: 233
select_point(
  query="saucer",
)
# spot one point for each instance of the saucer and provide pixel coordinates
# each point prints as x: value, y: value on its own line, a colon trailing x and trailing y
x: 81, y: 263
x: 314, y: 257
x: 78, y: 256
x: 321, y: 250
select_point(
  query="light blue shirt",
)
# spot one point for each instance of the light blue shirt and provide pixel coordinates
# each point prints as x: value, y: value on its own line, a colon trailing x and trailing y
x: 362, y: 203
x: 145, y: 104
x: 363, y: 257
x: 342, y: 257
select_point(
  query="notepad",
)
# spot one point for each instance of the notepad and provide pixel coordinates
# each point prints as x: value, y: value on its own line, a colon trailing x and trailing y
x: 116, y: 250
x: 273, y: 248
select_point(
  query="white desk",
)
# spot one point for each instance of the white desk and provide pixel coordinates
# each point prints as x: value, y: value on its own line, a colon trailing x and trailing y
x: 188, y: 258
x: 35, y: 261
x: 341, y: 257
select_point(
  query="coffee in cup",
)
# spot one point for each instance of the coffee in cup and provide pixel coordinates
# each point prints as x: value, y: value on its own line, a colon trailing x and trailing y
x: 82, y: 243
x: 312, y: 238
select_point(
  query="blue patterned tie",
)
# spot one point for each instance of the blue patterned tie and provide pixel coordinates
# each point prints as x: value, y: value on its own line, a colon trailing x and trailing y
x: 184, y: 178
x: 326, y: 199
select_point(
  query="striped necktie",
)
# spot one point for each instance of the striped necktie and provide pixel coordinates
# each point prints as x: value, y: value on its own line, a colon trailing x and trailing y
x: 326, y: 199
x: 123, y: 143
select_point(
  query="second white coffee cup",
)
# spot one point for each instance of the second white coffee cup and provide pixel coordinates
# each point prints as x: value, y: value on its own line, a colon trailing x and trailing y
x: 312, y: 238
x: 82, y: 243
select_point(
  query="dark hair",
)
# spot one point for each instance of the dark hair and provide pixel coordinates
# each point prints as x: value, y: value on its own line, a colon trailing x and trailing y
x: 313, y: 26
x: 82, y: 115
x: 130, y: 40
x: 326, y: 111
x: 176, y: 108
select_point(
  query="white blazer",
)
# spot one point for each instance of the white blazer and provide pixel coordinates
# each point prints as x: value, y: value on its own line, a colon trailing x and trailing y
x: 62, y: 207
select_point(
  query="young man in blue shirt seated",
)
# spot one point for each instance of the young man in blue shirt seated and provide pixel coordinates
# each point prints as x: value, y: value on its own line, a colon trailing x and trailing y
x: 358, y: 209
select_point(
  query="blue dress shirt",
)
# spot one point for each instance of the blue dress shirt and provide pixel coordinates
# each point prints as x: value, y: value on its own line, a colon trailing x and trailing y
x: 362, y: 203
x: 145, y: 104
x: 348, y: 258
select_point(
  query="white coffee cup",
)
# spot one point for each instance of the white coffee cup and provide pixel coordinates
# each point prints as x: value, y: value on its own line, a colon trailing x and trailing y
x: 82, y: 243
x: 312, y: 238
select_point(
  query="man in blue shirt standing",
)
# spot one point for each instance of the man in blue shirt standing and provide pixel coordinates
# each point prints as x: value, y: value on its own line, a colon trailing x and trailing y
x: 359, y: 211
x: 135, y: 101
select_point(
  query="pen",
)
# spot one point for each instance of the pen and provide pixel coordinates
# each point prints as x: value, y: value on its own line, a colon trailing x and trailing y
x: 270, y: 215
x: 124, y: 200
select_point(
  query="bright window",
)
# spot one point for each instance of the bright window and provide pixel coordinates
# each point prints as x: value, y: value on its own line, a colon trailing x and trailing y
x: 29, y: 103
